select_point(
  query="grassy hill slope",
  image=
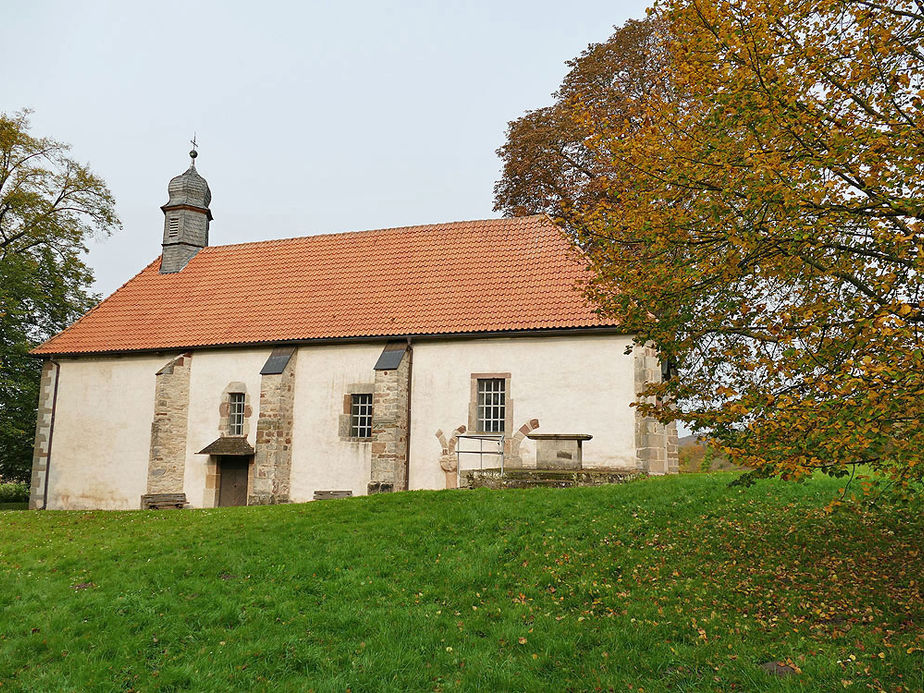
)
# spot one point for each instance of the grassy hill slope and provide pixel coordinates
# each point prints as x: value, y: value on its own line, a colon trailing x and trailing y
x: 665, y: 584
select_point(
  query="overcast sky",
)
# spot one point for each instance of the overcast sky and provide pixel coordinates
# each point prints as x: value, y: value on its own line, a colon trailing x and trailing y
x: 311, y: 117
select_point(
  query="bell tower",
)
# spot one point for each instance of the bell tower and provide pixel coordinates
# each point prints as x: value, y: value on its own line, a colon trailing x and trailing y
x: 187, y: 216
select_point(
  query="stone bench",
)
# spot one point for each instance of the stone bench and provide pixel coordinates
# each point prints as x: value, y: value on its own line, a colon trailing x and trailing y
x: 163, y: 501
x: 329, y: 495
x: 559, y: 450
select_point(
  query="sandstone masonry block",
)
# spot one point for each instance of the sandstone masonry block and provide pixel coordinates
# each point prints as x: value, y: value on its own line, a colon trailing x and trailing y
x: 43, y: 435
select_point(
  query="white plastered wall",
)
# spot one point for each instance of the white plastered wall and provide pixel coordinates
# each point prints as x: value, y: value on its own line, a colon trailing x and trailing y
x: 105, y: 407
x: 210, y: 374
x: 102, y: 432
x: 571, y: 384
x: 321, y: 461
x: 101, y: 446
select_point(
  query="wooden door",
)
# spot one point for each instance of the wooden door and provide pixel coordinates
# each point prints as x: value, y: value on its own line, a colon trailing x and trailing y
x: 232, y: 485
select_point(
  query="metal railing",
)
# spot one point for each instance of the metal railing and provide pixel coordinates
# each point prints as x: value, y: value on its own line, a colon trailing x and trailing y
x: 497, y: 439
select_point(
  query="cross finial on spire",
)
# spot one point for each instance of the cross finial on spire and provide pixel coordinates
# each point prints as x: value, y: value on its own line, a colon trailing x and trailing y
x: 193, y: 153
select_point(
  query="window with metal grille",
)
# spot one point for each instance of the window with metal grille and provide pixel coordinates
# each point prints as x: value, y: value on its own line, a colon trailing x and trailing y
x: 492, y: 405
x: 236, y: 414
x: 361, y: 416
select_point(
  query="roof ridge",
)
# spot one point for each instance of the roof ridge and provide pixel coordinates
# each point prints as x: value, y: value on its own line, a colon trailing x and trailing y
x: 413, y: 227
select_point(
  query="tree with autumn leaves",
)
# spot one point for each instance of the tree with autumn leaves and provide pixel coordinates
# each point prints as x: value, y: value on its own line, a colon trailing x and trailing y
x: 750, y: 198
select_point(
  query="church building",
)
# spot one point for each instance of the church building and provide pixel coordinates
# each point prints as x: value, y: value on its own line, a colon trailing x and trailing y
x: 342, y: 364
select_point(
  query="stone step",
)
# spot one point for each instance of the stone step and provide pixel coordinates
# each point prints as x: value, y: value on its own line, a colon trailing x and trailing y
x: 548, y: 478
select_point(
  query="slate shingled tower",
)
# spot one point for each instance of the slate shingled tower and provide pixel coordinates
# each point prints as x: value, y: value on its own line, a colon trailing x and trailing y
x: 187, y: 216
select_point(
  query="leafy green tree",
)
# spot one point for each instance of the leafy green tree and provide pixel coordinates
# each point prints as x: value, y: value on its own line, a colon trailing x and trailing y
x: 759, y: 217
x: 50, y: 206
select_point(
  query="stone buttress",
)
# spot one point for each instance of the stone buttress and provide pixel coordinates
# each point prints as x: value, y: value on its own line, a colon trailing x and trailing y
x: 390, y: 413
x: 656, y: 443
x: 272, y: 467
x: 167, y: 461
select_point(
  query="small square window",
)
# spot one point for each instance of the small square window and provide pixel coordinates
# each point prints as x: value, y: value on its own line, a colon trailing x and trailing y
x: 361, y: 416
x: 236, y: 414
x: 492, y: 405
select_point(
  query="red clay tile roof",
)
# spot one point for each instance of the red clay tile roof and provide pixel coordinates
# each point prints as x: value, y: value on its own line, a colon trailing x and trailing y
x: 474, y: 276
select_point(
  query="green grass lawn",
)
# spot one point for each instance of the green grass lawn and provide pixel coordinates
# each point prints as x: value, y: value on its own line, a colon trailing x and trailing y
x: 677, y: 583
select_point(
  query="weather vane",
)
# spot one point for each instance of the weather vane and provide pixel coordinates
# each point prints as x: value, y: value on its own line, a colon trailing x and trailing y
x: 193, y: 154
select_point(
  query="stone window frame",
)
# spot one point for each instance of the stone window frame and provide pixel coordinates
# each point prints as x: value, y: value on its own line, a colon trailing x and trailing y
x: 473, y: 419
x: 224, y: 410
x: 345, y: 419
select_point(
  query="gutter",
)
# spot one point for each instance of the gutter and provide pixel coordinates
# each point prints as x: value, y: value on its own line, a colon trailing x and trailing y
x: 407, y: 435
x: 51, y: 433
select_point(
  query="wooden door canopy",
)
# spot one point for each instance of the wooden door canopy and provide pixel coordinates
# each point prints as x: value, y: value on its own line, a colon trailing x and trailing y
x: 231, y: 446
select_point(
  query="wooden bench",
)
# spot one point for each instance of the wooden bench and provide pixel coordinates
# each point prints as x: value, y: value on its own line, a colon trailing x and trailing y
x: 329, y: 495
x: 163, y: 501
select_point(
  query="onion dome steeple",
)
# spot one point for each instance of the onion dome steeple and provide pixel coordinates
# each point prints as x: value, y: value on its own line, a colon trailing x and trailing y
x: 186, y: 226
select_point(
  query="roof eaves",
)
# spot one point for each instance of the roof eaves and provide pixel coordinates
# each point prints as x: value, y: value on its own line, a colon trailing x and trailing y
x: 434, y: 336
